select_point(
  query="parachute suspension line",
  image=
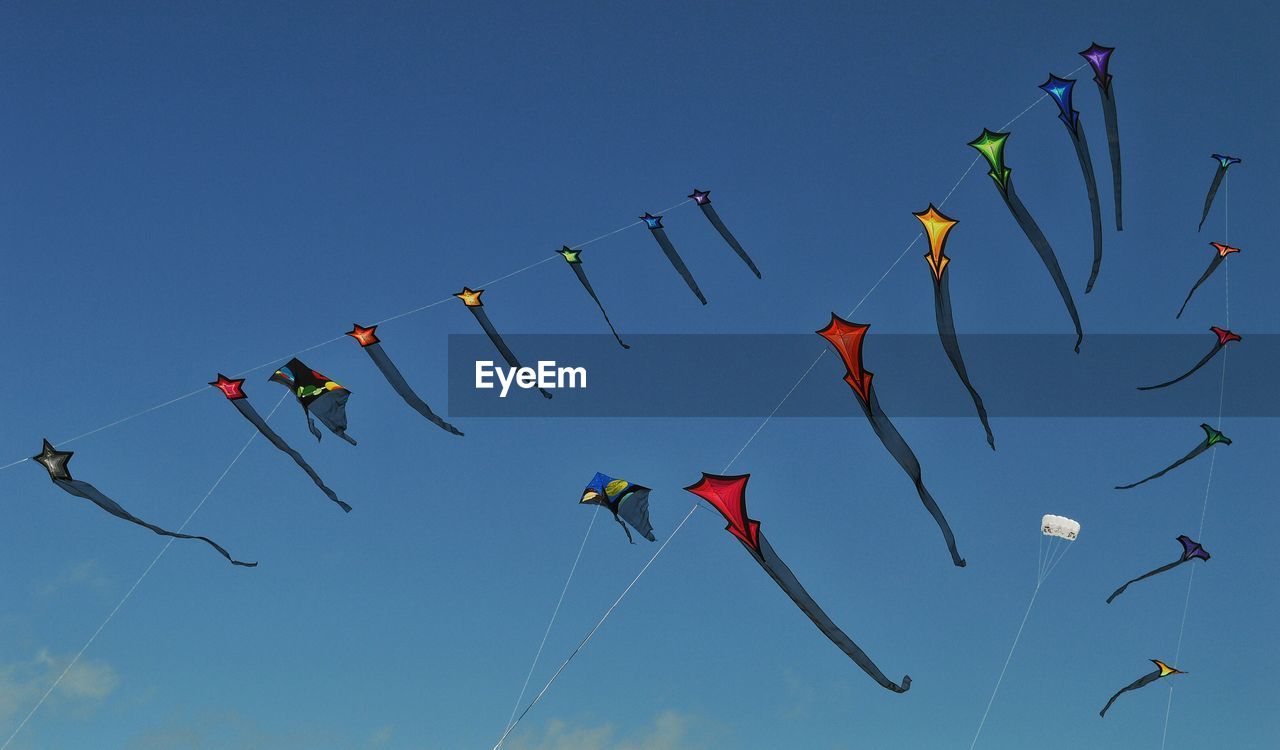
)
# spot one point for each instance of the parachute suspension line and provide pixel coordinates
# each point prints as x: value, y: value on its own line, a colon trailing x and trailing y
x: 1003, y: 669
x: 554, y: 613
x: 1204, y: 507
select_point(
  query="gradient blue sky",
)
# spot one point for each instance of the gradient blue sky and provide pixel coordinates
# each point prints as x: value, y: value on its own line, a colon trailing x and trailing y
x: 189, y: 189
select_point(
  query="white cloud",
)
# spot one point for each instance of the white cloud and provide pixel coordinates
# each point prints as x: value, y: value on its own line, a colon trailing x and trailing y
x: 22, y: 684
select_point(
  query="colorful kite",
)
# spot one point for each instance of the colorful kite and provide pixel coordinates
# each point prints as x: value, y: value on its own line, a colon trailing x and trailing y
x: 574, y: 258
x: 1220, y: 254
x: 369, y: 341
x: 55, y: 462
x: 991, y: 145
x: 703, y: 199
x: 727, y: 494
x: 655, y: 227
x: 1211, y: 438
x: 937, y: 227
x: 319, y: 396
x: 1191, y: 550
x: 1162, y: 670
x: 471, y: 299
x: 626, y: 501
x: 1099, y: 59
x: 1224, y: 337
x: 1059, y: 89
x: 233, y: 389
x: 847, y: 339
x: 1224, y: 163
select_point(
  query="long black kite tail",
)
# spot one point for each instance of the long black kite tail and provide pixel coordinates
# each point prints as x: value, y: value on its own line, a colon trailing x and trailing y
x: 703, y: 199
x: 906, y: 458
x: 586, y: 284
x: 1157, y: 571
x: 94, y: 495
x: 1213, y: 191
x: 404, y: 390
x: 655, y: 228
x: 248, y: 412
x: 1041, y: 243
x: 787, y: 581
x: 1201, y: 448
x: 499, y: 344
x: 1213, y: 266
x: 951, y: 345
x: 1216, y: 348
x: 1095, y: 207
x: 1113, y: 145
x: 1141, y: 682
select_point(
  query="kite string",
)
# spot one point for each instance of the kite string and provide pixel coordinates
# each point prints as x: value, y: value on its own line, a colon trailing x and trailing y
x: 1007, y: 659
x: 169, y: 542
x: 537, y: 656
x: 733, y: 460
x: 326, y: 342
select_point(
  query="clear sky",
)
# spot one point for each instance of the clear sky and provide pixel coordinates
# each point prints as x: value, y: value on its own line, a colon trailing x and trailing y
x: 190, y: 188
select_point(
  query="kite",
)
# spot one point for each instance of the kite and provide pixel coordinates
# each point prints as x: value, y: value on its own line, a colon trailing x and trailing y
x: 703, y: 199
x: 626, y: 501
x: 369, y: 341
x: 1211, y: 438
x: 1161, y: 670
x: 727, y: 494
x: 1222, y: 251
x: 471, y: 298
x: 1099, y: 59
x: 655, y: 227
x: 233, y: 389
x: 1224, y: 163
x: 573, y: 257
x: 1191, y: 550
x: 319, y: 396
x: 937, y: 226
x: 1059, y: 89
x: 55, y: 462
x: 991, y: 145
x: 1224, y: 337
x: 847, y: 339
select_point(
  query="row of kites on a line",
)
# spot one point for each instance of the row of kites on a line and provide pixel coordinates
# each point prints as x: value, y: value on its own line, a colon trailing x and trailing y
x: 324, y: 400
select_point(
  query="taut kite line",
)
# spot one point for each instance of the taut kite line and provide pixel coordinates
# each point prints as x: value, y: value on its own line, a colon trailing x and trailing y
x: 55, y: 462
x: 727, y: 494
x: 655, y: 227
x: 471, y: 298
x: 574, y: 259
x: 1161, y: 670
x: 233, y: 389
x: 1211, y: 438
x: 1220, y: 255
x: 991, y: 146
x: 847, y: 338
x: 1059, y: 89
x: 1224, y: 337
x: 372, y: 345
x: 1191, y: 550
x: 703, y: 199
x: 938, y: 227
x: 1224, y: 163
x: 1099, y: 59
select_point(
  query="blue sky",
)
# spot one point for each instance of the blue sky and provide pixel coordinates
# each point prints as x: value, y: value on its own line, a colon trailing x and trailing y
x: 190, y: 189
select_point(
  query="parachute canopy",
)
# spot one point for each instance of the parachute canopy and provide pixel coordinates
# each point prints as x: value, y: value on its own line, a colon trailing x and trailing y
x: 1061, y: 527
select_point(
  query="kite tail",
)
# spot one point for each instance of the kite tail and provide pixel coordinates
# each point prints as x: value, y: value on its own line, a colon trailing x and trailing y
x: 1201, y: 448
x: 251, y: 414
x: 624, y: 528
x: 1216, y: 348
x: 402, y: 388
x: 1095, y: 209
x: 1142, y: 681
x: 665, y: 243
x: 501, y: 345
x: 906, y: 458
x: 94, y: 495
x: 710, y: 212
x: 1161, y: 569
x: 1213, y: 191
x: 1045, y: 250
x: 586, y: 284
x: 1113, y: 145
x: 1213, y: 266
x: 951, y: 345
x: 311, y: 425
x: 782, y: 575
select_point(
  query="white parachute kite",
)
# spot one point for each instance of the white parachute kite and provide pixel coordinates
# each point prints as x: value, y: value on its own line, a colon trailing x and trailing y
x: 1060, y: 526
